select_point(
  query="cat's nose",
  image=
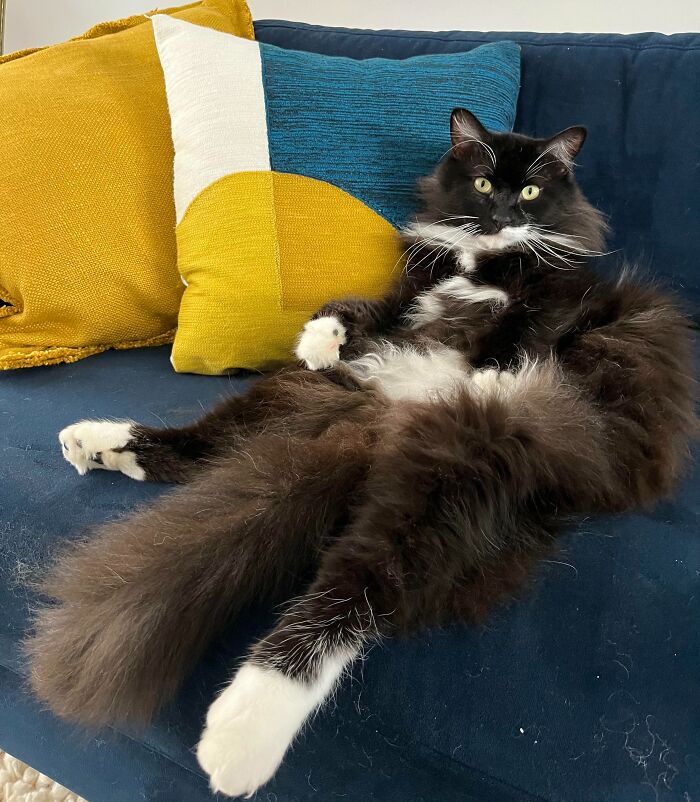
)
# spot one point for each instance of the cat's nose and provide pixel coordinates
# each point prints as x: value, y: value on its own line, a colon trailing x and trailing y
x: 503, y: 219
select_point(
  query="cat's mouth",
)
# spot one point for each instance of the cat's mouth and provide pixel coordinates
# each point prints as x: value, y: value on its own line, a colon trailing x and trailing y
x: 505, y: 238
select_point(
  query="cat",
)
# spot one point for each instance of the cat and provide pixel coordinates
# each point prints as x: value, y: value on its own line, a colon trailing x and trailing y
x: 422, y: 456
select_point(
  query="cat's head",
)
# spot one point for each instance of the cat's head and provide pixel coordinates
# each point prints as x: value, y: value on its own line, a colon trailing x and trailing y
x: 511, y: 188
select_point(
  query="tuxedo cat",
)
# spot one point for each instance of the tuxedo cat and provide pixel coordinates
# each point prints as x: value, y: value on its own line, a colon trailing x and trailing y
x: 426, y: 451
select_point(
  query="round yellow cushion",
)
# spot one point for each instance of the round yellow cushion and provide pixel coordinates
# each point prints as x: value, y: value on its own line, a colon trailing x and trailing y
x: 260, y: 252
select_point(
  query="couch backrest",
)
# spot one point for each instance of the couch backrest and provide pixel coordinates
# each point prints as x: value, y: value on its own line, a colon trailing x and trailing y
x: 639, y: 97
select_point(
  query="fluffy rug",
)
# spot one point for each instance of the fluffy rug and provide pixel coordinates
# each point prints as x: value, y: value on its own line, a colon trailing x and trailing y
x: 20, y: 783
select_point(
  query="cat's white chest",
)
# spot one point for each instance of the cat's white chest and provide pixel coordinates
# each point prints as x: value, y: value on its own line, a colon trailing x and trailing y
x: 433, y: 303
x: 404, y: 373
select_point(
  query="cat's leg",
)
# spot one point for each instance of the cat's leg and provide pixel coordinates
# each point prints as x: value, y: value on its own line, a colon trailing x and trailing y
x: 135, y: 605
x: 456, y: 489
x: 634, y: 356
x: 339, y: 324
x: 171, y: 454
x: 343, y: 326
x: 140, y: 452
x: 293, y: 671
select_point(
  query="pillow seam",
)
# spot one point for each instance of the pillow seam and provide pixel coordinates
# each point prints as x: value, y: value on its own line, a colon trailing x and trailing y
x: 278, y: 267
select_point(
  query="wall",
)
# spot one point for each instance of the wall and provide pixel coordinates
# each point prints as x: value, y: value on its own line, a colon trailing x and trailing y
x: 31, y: 23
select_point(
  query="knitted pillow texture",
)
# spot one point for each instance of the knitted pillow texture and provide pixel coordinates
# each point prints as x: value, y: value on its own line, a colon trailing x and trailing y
x: 87, y: 221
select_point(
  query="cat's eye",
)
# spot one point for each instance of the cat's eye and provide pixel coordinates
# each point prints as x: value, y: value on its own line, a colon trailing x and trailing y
x: 482, y: 185
x: 530, y: 192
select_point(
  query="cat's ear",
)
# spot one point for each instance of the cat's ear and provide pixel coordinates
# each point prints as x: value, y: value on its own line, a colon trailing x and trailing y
x: 564, y: 148
x: 470, y: 141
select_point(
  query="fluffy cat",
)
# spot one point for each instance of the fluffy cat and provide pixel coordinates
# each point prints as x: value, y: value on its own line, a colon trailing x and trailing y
x: 425, y: 453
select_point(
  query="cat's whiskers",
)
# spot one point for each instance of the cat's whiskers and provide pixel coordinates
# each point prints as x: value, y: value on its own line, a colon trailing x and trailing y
x: 540, y: 257
x: 468, y: 230
x: 555, y: 253
x: 554, y: 248
x: 410, y: 251
x: 566, y: 241
x: 416, y: 245
x: 455, y: 217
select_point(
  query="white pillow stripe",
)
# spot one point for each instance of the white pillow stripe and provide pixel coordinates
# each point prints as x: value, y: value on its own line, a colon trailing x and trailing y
x: 225, y: 131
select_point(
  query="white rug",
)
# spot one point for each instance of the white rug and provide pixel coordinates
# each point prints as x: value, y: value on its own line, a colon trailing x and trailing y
x: 20, y: 783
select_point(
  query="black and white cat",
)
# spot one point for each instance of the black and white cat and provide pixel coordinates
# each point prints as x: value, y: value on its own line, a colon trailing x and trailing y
x: 425, y: 453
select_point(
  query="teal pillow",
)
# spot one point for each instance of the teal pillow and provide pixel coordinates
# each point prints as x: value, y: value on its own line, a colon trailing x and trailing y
x: 374, y: 127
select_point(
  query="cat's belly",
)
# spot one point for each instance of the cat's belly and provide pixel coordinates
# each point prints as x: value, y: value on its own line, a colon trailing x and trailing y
x: 404, y: 373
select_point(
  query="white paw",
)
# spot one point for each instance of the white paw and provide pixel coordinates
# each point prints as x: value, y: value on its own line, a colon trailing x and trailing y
x: 91, y: 444
x: 319, y: 343
x: 250, y: 727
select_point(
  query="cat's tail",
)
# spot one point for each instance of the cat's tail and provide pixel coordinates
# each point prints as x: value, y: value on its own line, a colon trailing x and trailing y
x: 135, y: 606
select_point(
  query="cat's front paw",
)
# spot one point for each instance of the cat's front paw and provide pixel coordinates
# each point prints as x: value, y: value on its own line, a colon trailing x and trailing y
x: 320, y: 341
x: 249, y: 729
x: 92, y: 444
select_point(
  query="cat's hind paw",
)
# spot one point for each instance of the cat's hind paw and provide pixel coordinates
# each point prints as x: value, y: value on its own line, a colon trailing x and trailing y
x: 249, y: 729
x: 92, y: 444
x: 319, y: 343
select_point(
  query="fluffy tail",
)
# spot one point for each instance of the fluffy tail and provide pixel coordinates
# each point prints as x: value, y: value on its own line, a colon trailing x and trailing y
x: 136, y: 605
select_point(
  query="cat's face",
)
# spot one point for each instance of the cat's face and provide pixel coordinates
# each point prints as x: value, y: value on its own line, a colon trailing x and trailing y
x: 509, y: 184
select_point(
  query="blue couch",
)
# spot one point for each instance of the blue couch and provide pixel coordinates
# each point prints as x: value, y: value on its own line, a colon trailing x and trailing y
x: 585, y: 690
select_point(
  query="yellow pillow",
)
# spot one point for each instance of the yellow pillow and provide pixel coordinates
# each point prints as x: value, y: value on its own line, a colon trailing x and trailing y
x: 87, y: 241
x: 293, y: 171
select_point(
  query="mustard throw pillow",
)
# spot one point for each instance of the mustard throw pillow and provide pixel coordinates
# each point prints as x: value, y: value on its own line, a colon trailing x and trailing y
x: 292, y: 172
x: 87, y: 239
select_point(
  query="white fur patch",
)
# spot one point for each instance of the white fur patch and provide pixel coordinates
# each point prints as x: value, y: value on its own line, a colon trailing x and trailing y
x: 406, y: 374
x: 429, y: 308
x: 465, y: 290
x: 319, y: 343
x: 216, y: 132
x: 254, y: 721
x: 90, y: 444
x: 466, y: 246
x: 489, y: 383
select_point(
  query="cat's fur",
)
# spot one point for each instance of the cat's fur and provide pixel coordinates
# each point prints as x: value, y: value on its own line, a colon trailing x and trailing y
x: 499, y: 391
